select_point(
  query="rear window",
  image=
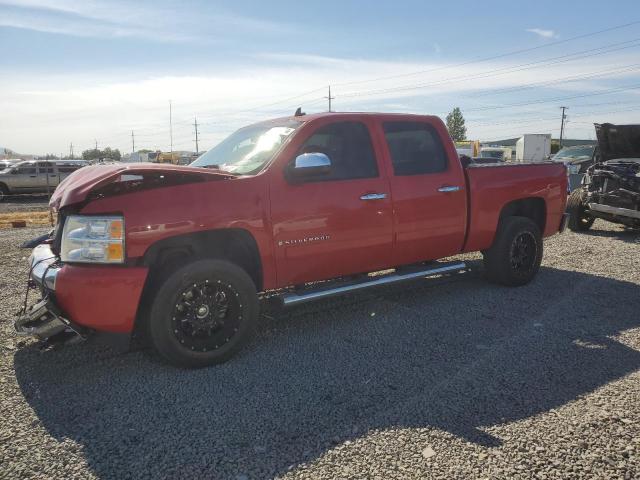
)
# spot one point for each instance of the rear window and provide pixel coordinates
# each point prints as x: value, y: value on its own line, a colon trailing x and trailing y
x: 415, y: 148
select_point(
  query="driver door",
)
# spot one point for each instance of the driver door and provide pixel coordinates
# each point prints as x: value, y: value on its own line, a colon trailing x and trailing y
x: 338, y: 223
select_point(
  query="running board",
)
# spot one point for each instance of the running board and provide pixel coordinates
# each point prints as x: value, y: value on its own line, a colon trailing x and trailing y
x: 293, y: 298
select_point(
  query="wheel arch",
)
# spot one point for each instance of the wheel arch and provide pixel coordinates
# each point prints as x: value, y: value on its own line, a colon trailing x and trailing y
x: 236, y: 245
x: 534, y: 208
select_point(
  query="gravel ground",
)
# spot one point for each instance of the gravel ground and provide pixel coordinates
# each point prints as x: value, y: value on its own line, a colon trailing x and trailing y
x: 447, y: 378
x: 25, y: 203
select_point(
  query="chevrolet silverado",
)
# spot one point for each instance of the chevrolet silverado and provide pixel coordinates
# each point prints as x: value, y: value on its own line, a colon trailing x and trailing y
x: 295, y: 209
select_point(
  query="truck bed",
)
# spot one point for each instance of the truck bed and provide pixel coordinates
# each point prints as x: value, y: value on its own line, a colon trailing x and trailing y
x: 492, y: 186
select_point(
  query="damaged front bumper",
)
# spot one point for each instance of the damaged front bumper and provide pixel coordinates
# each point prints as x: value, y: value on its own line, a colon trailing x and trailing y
x: 44, y: 319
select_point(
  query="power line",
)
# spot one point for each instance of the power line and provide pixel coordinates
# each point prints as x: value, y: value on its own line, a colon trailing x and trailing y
x: 572, y: 78
x: 498, y: 71
x: 522, y: 104
x: 494, y: 57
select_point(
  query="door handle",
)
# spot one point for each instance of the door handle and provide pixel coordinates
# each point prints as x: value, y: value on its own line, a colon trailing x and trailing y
x: 374, y: 196
x: 449, y: 188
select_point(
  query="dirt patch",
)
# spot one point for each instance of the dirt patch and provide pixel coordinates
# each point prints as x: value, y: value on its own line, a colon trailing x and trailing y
x: 32, y: 219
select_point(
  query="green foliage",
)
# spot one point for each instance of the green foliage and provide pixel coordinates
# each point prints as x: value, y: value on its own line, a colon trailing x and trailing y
x: 455, y: 125
x: 107, y: 154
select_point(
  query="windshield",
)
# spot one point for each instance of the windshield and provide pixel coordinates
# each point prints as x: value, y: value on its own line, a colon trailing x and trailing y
x: 246, y: 151
x: 578, y: 152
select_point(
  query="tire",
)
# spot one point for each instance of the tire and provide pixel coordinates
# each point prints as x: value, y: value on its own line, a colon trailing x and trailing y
x: 203, y: 313
x: 515, y: 256
x: 579, y: 218
x: 4, y: 192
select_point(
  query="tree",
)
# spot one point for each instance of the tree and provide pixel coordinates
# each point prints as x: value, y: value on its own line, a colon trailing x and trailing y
x: 107, y: 153
x: 455, y: 125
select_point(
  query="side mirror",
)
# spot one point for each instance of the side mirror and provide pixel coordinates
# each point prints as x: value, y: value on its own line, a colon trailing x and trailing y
x: 310, y: 165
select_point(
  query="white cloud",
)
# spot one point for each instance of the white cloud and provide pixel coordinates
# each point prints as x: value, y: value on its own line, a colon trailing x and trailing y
x: 45, y: 112
x: 543, y: 33
x: 106, y: 19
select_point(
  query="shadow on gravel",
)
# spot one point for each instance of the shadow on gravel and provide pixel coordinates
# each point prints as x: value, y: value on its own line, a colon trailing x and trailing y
x: 627, y: 235
x: 453, y: 355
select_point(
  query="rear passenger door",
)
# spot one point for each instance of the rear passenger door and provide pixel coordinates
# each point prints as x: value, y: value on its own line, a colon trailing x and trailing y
x: 339, y: 223
x: 47, y: 176
x: 428, y: 191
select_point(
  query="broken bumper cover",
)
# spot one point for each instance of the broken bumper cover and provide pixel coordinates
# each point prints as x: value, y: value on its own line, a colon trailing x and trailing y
x: 44, y: 267
x: 44, y: 319
x: 83, y: 298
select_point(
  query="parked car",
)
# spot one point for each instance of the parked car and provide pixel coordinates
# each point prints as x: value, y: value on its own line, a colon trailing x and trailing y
x: 35, y: 176
x: 4, y: 164
x: 285, y: 209
x: 577, y: 159
x: 611, y: 187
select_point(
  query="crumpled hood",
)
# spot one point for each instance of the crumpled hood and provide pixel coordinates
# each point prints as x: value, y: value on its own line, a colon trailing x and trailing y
x: 77, y: 186
x: 618, y: 141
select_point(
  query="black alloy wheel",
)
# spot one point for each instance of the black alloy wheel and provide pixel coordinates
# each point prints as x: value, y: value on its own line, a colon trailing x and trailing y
x: 203, y: 313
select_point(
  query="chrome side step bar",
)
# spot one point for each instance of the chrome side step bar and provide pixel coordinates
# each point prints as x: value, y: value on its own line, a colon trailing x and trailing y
x: 293, y: 298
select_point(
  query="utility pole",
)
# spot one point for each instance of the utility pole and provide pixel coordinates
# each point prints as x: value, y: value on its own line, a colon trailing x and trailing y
x: 71, y: 150
x: 133, y: 143
x: 195, y: 124
x: 330, y: 98
x: 96, y: 144
x: 564, y: 117
x: 170, y: 127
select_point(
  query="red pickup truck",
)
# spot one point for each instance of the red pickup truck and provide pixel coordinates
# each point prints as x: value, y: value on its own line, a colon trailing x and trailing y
x: 296, y: 208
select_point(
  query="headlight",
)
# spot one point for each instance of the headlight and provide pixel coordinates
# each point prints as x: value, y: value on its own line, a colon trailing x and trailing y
x: 90, y: 239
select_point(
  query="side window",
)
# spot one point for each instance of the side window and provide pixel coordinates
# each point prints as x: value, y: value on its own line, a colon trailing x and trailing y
x: 27, y: 170
x: 45, y: 167
x: 415, y: 148
x: 348, y: 146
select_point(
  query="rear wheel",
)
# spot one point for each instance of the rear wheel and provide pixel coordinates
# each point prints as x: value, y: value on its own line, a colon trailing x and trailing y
x: 203, y: 313
x: 579, y: 218
x: 516, y: 253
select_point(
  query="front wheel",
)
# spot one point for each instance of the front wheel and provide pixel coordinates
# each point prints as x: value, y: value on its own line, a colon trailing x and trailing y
x: 203, y: 313
x: 579, y: 218
x: 516, y: 253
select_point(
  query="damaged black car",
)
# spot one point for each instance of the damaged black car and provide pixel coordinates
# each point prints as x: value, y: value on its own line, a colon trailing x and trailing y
x: 610, y: 188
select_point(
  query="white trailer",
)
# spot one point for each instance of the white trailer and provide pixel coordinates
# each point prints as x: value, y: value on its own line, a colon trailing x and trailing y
x: 533, y: 147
